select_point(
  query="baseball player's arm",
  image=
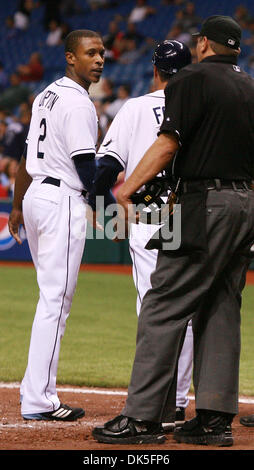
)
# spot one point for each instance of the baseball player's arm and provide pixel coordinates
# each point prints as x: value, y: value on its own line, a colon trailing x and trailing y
x: 22, y: 183
x: 108, y: 168
x: 156, y: 158
x: 85, y: 167
x: 113, y: 156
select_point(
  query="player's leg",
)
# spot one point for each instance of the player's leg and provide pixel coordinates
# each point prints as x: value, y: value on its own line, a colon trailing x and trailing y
x: 184, y: 374
x: 214, y: 346
x: 59, y: 256
x: 179, y: 287
x: 32, y: 238
x: 144, y: 263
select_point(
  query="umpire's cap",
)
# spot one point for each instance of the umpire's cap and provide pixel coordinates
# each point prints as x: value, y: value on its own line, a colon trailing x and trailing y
x: 222, y: 29
x: 171, y: 55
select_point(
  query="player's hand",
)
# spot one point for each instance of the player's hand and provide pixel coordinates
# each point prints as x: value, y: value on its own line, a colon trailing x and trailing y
x: 14, y: 222
x: 125, y: 216
x: 92, y: 218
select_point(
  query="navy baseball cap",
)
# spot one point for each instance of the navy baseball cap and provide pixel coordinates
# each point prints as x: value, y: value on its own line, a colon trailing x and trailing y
x: 222, y: 29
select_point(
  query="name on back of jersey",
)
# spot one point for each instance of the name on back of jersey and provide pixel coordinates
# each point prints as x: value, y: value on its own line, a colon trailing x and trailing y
x: 159, y: 113
x: 48, y: 99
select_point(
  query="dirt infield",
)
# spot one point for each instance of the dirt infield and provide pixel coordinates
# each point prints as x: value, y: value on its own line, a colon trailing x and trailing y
x: 100, y: 405
x: 17, y: 435
x: 104, y: 268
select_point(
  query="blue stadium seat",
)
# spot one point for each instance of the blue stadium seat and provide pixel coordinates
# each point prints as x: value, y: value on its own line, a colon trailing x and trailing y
x: 138, y: 74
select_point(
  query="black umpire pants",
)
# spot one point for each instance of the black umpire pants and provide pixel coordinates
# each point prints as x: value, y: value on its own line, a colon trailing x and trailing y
x: 207, y: 290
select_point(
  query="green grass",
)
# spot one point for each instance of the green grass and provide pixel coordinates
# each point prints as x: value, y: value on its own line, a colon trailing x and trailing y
x: 247, y: 348
x: 99, y: 342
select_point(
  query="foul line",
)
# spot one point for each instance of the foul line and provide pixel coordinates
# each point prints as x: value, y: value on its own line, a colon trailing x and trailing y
x: 242, y: 399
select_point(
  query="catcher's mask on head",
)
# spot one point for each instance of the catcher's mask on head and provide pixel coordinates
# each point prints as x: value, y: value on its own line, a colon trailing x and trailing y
x: 171, y: 55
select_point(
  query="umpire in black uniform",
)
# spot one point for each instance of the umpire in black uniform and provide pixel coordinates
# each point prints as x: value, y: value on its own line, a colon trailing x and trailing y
x: 208, y: 133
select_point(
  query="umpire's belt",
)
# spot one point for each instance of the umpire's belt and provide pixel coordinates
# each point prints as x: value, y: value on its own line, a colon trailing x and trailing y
x: 217, y: 184
x: 57, y: 182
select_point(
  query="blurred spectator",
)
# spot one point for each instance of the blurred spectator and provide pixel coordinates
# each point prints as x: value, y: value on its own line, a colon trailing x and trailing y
x: 178, y: 19
x: 23, y: 13
x: 177, y: 32
x: 95, y: 4
x: 15, y: 94
x: 4, y: 81
x: 110, y: 36
x: 65, y: 30
x: 132, y: 53
x: 123, y: 94
x: 52, y: 11
x: 103, y: 121
x: 11, y: 31
x: 190, y: 20
x: 242, y: 16
x: 108, y: 91
x: 4, y: 181
x: 250, y: 28
x: 70, y: 8
x: 132, y: 33
x: 113, y: 42
x: 173, y: 2
x: 32, y: 71
x: 12, y: 140
x: 11, y: 173
x: 141, y: 11
x: 24, y: 117
x: 54, y: 35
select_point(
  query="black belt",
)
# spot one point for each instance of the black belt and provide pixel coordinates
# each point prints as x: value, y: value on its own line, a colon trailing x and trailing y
x: 217, y: 184
x: 57, y: 182
x: 50, y: 180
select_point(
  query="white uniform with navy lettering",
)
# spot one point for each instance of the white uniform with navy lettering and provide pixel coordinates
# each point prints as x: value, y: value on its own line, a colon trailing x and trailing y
x: 63, y: 124
x: 132, y: 132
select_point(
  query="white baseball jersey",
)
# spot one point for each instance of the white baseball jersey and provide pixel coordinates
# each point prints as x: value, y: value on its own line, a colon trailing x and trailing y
x: 64, y: 124
x: 132, y: 132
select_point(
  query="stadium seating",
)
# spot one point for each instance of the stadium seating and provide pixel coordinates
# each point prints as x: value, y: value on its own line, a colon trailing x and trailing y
x: 16, y: 50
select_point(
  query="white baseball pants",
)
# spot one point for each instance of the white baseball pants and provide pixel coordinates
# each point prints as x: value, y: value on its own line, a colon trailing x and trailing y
x: 144, y: 263
x: 55, y: 225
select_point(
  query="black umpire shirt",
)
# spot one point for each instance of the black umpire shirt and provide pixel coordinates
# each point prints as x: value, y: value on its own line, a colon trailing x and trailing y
x: 210, y: 106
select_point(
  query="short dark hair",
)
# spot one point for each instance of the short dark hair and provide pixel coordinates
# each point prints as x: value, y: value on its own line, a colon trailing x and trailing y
x: 73, y: 38
x: 163, y: 75
x: 220, y: 49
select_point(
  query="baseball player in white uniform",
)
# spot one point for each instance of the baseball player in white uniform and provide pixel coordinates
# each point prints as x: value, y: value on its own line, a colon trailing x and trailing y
x: 60, y: 165
x: 131, y: 133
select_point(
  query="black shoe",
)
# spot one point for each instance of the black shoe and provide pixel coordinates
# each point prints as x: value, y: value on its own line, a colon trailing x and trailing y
x: 206, y: 429
x: 176, y: 419
x: 124, y: 430
x: 63, y: 413
x: 247, y: 421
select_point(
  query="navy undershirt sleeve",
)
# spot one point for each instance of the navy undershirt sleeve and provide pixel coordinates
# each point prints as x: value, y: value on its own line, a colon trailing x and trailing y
x: 25, y: 151
x: 85, y: 166
x: 107, y: 171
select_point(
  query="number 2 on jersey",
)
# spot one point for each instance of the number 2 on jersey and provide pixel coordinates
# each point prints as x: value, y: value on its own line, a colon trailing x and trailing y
x: 42, y: 137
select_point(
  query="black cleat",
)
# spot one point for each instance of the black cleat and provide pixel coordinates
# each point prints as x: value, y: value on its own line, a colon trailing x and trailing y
x: 177, y: 419
x: 247, y: 421
x: 205, y: 429
x: 124, y: 430
x: 63, y: 413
